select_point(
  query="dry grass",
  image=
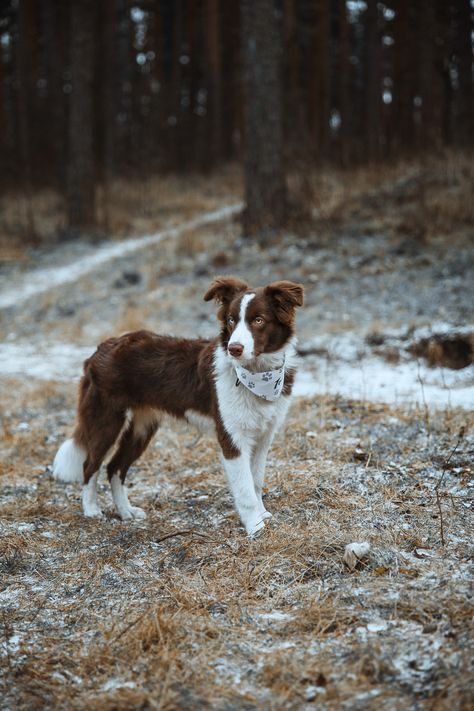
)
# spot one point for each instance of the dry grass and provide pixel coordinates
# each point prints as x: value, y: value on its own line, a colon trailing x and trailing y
x: 182, y: 611
x: 128, y: 207
x: 427, y: 197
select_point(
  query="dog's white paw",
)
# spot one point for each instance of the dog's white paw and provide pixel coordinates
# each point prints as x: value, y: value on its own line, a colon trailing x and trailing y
x: 255, y: 524
x: 132, y: 512
x: 93, y: 511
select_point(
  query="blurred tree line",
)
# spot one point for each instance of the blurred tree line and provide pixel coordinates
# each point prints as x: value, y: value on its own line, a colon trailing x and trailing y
x: 92, y: 90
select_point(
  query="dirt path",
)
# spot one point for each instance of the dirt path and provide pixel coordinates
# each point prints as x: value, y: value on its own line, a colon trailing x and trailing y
x: 38, y: 281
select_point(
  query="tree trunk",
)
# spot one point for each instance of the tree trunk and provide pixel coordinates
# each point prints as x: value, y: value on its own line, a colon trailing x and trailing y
x: 373, y: 81
x: 26, y: 36
x: 264, y: 165
x: 231, y: 106
x: 465, y: 124
x: 404, y: 90
x: 214, y: 83
x: 344, y: 85
x: 81, y: 173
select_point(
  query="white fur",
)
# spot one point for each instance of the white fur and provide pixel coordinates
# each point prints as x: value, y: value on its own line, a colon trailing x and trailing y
x: 120, y: 496
x: 249, y: 506
x: 251, y: 424
x: 204, y: 423
x: 246, y: 417
x: 69, y: 461
x: 242, y: 333
x: 143, y: 418
x: 90, y: 502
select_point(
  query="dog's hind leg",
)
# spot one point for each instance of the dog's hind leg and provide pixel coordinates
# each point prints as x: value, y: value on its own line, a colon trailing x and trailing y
x: 133, y: 442
x: 98, y: 441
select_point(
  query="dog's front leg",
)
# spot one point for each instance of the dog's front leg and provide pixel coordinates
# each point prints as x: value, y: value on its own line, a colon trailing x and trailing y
x: 247, y: 503
x: 259, y: 461
x: 239, y: 477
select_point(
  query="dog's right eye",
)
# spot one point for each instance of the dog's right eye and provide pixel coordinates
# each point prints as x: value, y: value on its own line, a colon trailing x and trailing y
x: 230, y: 321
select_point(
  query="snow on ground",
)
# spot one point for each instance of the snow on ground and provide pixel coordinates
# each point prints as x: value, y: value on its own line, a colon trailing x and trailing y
x: 369, y: 379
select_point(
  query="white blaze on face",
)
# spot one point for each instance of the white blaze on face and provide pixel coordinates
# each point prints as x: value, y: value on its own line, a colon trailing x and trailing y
x: 242, y: 333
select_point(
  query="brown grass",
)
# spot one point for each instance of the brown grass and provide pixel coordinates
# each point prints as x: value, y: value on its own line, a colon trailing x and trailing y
x: 182, y: 611
x: 428, y: 198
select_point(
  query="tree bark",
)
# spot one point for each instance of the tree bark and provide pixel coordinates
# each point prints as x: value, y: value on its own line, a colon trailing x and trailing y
x: 373, y: 81
x: 264, y: 164
x: 465, y: 123
x: 81, y: 169
x: 404, y: 90
x: 25, y: 95
x: 214, y: 117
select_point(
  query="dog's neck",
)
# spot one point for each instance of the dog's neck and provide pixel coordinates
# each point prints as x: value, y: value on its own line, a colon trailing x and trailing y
x: 283, y: 359
x: 266, y: 385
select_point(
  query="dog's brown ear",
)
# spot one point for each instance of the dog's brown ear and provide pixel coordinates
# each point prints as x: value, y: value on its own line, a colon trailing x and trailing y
x: 286, y: 296
x: 223, y: 289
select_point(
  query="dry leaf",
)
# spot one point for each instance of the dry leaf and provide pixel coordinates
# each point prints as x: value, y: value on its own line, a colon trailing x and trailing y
x: 354, y: 552
x: 409, y: 571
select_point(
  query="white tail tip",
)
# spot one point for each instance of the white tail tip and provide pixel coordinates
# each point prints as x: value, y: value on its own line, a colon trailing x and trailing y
x: 69, y: 462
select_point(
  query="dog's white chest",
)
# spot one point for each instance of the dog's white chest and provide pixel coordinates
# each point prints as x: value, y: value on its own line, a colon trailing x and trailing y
x: 243, y: 413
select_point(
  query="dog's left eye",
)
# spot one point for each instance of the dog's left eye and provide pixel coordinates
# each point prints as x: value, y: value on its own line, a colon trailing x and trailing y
x: 258, y: 320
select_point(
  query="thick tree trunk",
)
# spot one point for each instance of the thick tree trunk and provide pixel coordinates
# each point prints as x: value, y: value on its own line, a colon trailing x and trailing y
x: 81, y: 172
x: 264, y: 164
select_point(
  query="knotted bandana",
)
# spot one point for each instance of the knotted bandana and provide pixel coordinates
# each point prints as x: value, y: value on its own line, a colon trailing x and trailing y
x: 267, y: 385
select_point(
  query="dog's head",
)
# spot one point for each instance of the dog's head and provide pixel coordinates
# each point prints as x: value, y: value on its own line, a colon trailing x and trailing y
x: 255, y: 321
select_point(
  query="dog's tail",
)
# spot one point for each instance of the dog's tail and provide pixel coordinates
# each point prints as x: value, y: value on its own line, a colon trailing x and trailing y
x: 69, y: 461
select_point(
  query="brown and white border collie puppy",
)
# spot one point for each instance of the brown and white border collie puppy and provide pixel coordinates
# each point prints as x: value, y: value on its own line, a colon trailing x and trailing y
x: 240, y: 383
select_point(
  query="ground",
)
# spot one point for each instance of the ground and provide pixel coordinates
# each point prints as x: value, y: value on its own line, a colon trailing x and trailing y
x: 182, y: 610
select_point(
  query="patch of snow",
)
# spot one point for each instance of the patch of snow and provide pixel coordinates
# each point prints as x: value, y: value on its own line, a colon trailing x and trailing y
x: 275, y: 616
x: 374, y: 380
x: 11, y: 645
x: 22, y: 427
x: 312, y: 691
x: 9, y: 595
x: 25, y: 527
x: 113, y: 684
x: 60, y: 361
x: 377, y: 626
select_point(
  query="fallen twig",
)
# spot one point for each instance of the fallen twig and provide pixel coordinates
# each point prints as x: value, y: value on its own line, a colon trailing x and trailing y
x: 440, y: 481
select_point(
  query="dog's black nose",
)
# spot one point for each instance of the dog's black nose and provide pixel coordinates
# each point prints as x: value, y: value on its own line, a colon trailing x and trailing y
x: 235, y: 349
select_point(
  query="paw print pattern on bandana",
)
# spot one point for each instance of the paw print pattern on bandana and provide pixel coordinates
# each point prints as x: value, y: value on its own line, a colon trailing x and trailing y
x: 267, y: 385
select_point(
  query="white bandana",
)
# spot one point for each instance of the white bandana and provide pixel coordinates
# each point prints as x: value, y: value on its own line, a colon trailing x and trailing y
x: 267, y: 385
